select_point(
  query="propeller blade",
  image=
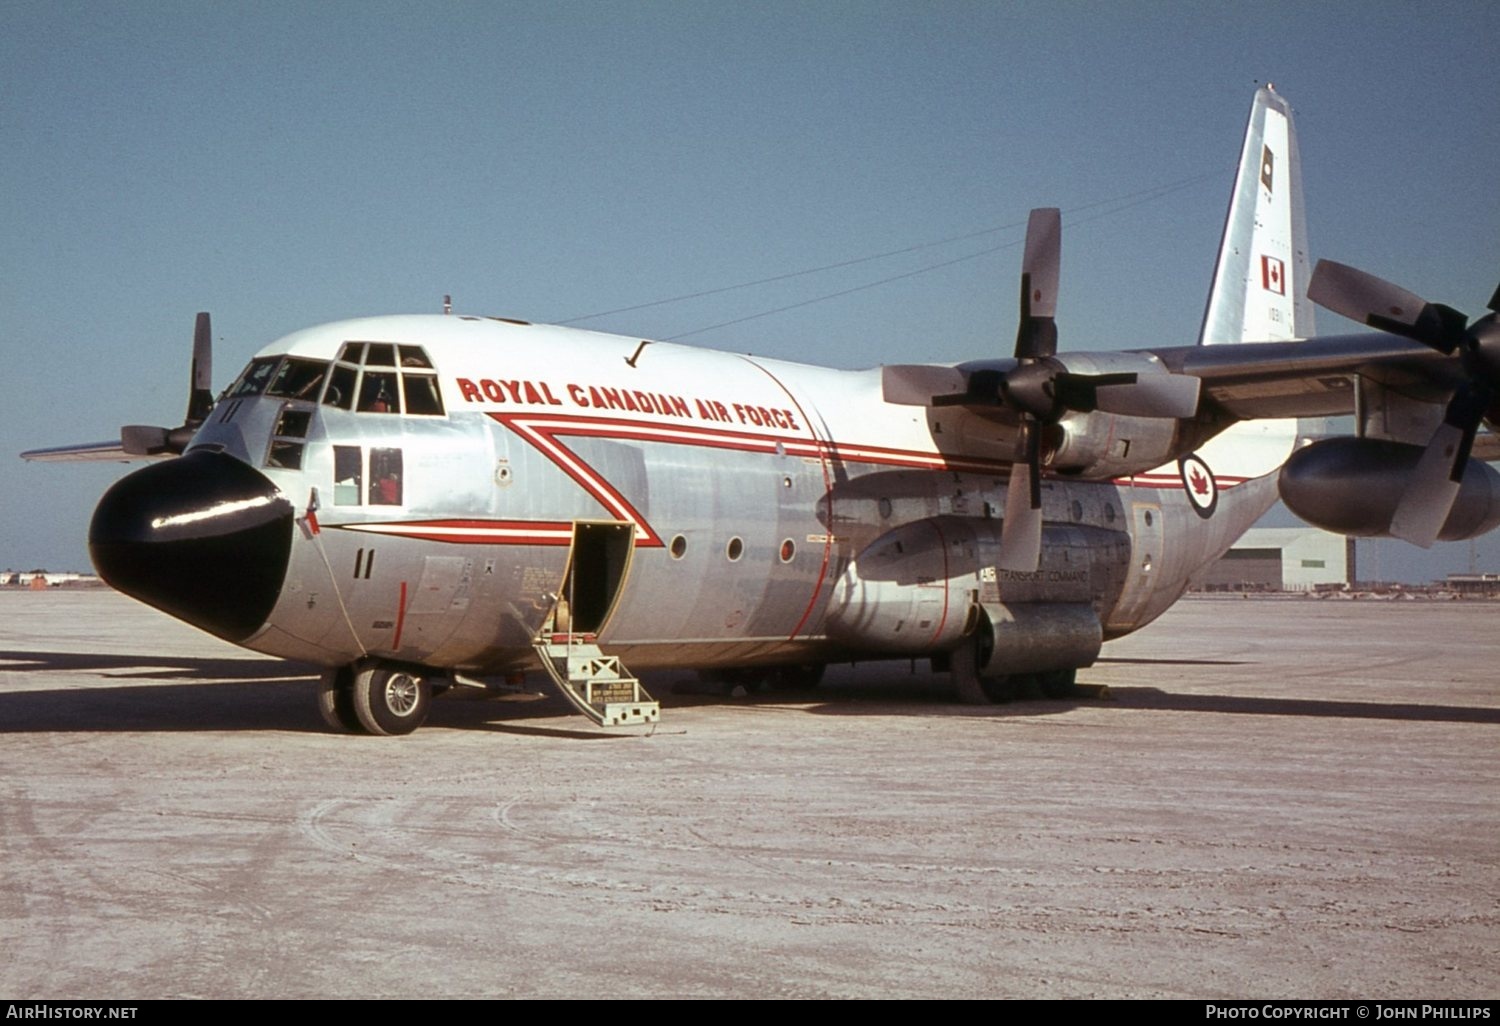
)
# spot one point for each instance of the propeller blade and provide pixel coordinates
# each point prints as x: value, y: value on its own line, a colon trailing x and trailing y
x: 1435, y: 483
x: 201, y: 394
x: 1362, y: 297
x: 150, y: 440
x: 1033, y: 438
x: 920, y: 384
x: 1021, y: 534
x: 1037, y: 335
x: 1150, y: 395
x: 1429, y: 496
x: 982, y: 389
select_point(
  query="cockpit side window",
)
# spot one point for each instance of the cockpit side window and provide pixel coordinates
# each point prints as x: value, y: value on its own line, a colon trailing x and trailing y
x: 385, y: 477
x: 347, y: 475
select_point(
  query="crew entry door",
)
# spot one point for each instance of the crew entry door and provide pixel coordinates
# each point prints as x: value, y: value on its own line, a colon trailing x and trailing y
x: 598, y: 562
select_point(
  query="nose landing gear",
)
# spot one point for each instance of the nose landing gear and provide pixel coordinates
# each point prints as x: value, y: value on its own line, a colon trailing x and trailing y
x: 373, y: 699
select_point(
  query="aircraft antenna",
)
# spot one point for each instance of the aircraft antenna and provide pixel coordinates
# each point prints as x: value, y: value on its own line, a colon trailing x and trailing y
x: 447, y: 303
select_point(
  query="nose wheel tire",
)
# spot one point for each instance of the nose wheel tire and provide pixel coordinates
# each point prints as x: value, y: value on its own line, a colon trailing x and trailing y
x: 390, y: 702
x: 336, y: 701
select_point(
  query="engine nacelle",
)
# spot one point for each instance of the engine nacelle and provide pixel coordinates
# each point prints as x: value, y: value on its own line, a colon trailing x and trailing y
x: 923, y: 586
x: 1353, y: 485
x: 911, y: 590
x: 1103, y: 445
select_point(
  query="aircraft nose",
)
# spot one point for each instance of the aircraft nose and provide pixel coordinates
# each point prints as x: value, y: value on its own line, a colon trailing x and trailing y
x: 203, y: 537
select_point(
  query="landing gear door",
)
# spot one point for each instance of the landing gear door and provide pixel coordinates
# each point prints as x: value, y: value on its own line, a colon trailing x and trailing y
x: 598, y: 563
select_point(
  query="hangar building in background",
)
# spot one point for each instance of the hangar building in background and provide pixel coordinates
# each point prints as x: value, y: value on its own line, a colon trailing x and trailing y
x: 1282, y: 559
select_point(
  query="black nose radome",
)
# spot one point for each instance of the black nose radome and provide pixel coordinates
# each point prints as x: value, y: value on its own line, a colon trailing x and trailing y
x: 203, y: 537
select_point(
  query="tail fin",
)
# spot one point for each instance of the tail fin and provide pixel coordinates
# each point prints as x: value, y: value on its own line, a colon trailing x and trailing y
x: 1259, y: 291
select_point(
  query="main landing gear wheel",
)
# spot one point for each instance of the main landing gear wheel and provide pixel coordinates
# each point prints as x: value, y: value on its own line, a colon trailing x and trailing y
x: 388, y: 701
x: 963, y: 668
x: 336, y: 700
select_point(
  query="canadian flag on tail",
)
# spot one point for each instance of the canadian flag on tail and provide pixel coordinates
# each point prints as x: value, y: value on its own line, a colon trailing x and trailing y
x: 1273, y: 275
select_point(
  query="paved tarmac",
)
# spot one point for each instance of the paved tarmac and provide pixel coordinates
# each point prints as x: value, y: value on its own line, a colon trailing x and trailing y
x: 1283, y: 798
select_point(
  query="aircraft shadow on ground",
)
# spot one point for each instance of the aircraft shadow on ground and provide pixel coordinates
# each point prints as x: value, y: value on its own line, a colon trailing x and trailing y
x: 151, y: 667
x: 271, y: 694
x: 1172, y: 662
x: 1156, y: 699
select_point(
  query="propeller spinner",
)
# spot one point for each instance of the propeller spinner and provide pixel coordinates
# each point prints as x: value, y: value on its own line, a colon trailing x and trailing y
x: 1434, y: 486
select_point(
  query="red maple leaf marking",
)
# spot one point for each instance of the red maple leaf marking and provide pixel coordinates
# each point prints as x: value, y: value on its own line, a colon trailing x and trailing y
x: 1198, y: 481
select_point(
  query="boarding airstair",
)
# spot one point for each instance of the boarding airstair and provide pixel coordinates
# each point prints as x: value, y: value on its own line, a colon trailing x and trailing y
x: 597, y: 685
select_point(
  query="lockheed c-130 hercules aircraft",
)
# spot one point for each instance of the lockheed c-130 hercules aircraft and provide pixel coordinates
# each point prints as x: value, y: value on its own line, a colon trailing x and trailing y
x: 417, y: 502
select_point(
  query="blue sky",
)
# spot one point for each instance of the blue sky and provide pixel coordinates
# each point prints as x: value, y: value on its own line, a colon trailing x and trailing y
x: 285, y: 164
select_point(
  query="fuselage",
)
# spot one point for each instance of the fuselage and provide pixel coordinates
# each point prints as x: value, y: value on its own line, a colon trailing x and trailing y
x: 444, y: 484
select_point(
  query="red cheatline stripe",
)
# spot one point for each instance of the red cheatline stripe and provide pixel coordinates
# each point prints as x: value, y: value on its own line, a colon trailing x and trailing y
x: 475, y: 532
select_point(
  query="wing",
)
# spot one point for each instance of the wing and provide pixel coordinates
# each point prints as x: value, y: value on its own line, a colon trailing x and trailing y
x: 88, y: 452
x: 1317, y: 377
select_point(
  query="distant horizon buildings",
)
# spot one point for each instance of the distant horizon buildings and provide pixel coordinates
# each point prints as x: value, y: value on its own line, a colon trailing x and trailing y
x: 38, y: 580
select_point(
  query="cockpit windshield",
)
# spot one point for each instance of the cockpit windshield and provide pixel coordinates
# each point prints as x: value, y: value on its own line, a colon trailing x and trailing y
x: 370, y: 377
x: 254, y: 378
x: 381, y: 377
x: 299, y: 379
x: 291, y: 376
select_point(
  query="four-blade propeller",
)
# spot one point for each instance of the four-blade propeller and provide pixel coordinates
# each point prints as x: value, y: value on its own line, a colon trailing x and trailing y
x: 1434, y: 485
x: 1041, y: 390
x: 147, y: 440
